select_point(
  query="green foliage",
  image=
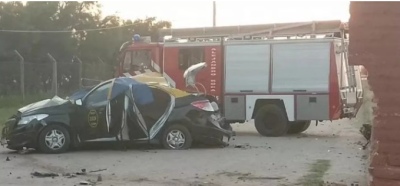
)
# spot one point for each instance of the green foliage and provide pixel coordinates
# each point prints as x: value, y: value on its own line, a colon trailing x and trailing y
x: 316, y: 173
x: 10, y: 104
x: 67, y: 16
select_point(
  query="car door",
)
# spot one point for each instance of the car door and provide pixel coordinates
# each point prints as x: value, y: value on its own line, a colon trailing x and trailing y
x: 93, y: 113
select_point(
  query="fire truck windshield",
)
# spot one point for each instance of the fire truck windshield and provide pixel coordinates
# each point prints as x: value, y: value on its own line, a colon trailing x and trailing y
x: 137, y: 60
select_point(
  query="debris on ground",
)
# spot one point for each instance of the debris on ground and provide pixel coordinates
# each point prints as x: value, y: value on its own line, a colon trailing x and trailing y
x: 23, y: 151
x: 7, y: 159
x: 83, y: 172
x: 43, y: 175
x: 99, y: 178
x: 98, y: 170
x: 69, y: 175
x: 242, y: 146
x: 85, y: 183
x: 259, y: 178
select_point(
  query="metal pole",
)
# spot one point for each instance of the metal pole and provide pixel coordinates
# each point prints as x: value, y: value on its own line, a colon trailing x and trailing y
x: 214, y: 14
x: 22, y: 75
x: 55, y: 84
x: 101, y: 61
x: 80, y: 71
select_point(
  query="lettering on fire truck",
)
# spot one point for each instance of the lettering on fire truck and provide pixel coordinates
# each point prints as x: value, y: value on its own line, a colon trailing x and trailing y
x: 213, y: 71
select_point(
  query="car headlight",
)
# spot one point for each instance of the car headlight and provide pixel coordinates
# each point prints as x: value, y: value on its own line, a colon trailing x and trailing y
x: 27, y: 119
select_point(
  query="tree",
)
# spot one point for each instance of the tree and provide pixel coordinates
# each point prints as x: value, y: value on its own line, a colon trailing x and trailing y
x: 72, y: 16
x: 81, y: 30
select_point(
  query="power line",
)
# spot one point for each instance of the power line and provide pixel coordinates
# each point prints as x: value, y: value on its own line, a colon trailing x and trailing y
x: 63, y: 31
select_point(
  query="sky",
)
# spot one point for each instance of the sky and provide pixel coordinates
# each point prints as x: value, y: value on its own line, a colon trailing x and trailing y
x: 192, y: 13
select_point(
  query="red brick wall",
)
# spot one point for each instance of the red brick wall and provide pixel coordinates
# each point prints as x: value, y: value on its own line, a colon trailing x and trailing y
x: 374, y: 29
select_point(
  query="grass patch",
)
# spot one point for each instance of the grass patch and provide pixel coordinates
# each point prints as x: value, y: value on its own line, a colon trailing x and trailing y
x: 16, y: 100
x: 10, y: 104
x: 316, y: 173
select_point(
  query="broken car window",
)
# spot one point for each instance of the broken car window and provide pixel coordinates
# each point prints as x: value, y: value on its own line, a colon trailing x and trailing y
x: 99, y: 96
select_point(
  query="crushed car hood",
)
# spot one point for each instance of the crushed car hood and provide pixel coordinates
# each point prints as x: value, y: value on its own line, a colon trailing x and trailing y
x: 47, y: 106
x: 192, y: 71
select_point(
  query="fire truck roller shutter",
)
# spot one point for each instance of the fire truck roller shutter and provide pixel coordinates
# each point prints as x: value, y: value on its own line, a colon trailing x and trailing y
x: 247, y: 67
x: 303, y: 69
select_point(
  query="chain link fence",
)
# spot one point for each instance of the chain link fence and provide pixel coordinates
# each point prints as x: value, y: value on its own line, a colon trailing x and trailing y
x: 51, y: 76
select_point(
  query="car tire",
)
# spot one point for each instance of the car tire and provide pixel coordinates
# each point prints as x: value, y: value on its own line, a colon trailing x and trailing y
x: 54, y: 139
x: 270, y: 120
x: 298, y: 127
x: 172, y: 137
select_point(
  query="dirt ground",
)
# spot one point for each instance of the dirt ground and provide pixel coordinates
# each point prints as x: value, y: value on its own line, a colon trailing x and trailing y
x: 329, y: 152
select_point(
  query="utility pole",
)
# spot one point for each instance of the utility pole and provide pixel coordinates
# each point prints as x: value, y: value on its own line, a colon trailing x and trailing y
x: 214, y: 14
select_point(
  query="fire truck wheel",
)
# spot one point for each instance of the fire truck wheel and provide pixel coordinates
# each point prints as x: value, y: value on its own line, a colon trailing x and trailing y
x: 298, y: 127
x: 270, y: 120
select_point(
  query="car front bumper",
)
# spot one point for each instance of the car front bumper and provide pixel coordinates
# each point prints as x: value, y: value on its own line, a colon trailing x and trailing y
x: 16, y: 137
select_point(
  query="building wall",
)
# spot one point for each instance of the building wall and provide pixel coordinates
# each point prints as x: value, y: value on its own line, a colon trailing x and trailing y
x: 374, y: 29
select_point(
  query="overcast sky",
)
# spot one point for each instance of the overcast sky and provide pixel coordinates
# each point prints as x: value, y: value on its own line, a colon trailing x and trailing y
x: 191, y: 13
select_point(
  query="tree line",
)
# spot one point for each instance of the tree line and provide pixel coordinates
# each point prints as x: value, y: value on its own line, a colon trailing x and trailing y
x: 82, y: 30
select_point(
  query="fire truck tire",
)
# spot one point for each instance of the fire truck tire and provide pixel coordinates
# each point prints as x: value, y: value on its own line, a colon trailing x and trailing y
x: 298, y: 127
x: 270, y: 120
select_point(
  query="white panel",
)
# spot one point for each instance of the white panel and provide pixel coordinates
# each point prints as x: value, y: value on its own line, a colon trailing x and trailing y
x: 247, y: 68
x: 288, y: 100
x: 301, y: 66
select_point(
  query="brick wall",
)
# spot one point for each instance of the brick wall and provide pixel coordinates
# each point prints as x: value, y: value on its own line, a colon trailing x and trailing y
x: 374, y: 29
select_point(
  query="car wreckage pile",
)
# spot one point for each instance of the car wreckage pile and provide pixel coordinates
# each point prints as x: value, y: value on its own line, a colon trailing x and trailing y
x: 123, y: 109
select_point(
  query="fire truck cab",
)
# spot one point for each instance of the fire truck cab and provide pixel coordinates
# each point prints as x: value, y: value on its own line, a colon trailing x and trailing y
x: 281, y: 75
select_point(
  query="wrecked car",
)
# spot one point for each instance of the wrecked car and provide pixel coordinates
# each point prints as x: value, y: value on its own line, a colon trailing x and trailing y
x: 121, y: 108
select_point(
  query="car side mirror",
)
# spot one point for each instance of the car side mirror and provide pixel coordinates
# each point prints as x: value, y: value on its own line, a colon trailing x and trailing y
x: 78, y: 102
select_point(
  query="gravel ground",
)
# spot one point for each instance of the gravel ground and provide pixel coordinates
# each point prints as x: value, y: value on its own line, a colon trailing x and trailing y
x: 329, y: 152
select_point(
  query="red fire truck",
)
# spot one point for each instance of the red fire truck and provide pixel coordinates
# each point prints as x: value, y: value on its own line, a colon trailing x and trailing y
x: 281, y: 75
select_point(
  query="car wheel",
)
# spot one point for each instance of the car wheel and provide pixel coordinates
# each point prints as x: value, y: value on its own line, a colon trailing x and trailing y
x: 270, y: 120
x: 54, y: 139
x: 177, y: 137
x: 298, y: 127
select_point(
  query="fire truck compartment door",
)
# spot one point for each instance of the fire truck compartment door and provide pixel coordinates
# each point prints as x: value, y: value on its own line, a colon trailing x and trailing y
x: 300, y: 67
x: 312, y: 107
x: 247, y: 68
x: 235, y: 107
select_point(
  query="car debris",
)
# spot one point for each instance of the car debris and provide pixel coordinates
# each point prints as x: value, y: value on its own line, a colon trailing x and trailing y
x: 99, y: 178
x: 85, y: 183
x: 98, y: 170
x: 242, y: 146
x: 43, y: 175
x: 7, y: 159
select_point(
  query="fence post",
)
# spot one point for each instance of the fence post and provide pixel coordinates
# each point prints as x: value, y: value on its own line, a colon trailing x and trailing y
x: 80, y: 71
x: 55, y: 83
x: 103, y: 68
x: 22, y: 75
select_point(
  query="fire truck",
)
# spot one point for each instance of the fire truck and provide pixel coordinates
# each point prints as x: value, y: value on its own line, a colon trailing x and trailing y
x: 282, y: 75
